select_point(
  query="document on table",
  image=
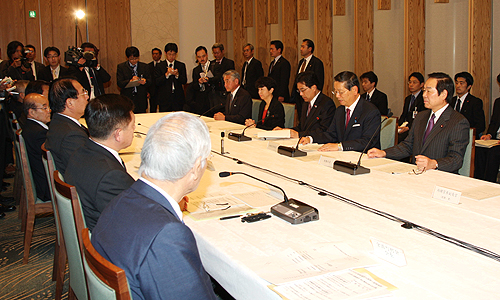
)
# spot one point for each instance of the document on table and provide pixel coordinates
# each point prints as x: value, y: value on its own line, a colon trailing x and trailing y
x: 313, y: 260
x: 481, y: 192
x: 396, y: 168
x: 216, y: 207
x: 486, y: 143
x: 347, y: 284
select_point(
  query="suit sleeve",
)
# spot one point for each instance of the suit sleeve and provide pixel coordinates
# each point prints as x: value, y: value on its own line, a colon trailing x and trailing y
x: 403, y: 149
x: 71, y: 142
x: 457, y: 144
x: 103, y: 75
x: 182, y: 74
x: 244, y: 112
x: 479, y: 118
x: 326, y: 132
x: 181, y: 264
x: 383, y: 105
x: 319, y: 70
x: 121, y: 78
x: 495, y: 120
x: 111, y: 184
x: 370, y: 125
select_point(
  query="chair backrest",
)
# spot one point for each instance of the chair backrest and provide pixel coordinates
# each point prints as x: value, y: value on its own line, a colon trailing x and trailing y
x: 29, y: 187
x: 50, y: 167
x: 389, y: 132
x: 289, y: 114
x: 72, y: 224
x: 467, y: 168
x: 105, y: 280
x: 255, y: 109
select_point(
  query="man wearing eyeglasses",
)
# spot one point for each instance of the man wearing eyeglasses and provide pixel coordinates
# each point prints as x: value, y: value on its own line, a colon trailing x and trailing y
x: 68, y: 100
x: 37, y: 110
x: 439, y: 136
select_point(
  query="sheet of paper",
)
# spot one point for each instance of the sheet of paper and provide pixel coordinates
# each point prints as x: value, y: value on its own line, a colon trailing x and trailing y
x: 310, y: 147
x: 396, y: 168
x: 313, y: 260
x: 347, y: 284
x: 276, y: 134
x: 216, y: 207
x: 486, y: 144
x: 374, y: 162
x: 258, y: 198
x: 481, y: 192
x: 132, y: 84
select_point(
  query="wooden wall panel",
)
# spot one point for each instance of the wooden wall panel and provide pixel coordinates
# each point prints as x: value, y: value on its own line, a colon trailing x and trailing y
x: 339, y: 7
x: 363, y: 36
x: 46, y: 21
x: 323, y: 37
x: 272, y: 11
x: 303, y: 9
x: 226, y: 14
x: 290, y: 35
x: 480, y: 50
x: 33, y: 34
x: 384, y: 4
x: 262, y: 34
x: 220, y: 33
x: 441, y: 1
x: 63, y: 24
x: 414, y: 38
x: 239, y: 34
x: 13, y: 25
x: 248, y: 13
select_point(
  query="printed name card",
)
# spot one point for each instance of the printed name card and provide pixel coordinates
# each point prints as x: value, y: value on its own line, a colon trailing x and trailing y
x: 445, y: 194
x: 388, y: 253
x: 326, y: 161
x: 273, y: 146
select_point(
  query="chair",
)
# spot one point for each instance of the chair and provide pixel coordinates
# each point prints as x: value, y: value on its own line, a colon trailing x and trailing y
x: 18, y: 177
x: 30, y: 206
x: 389, y: 133
x: 255, y: 109
x: 467, y: 168
x: 59, y: 267
x: 105, y: 280
x: 72, y: 224
x: 289, y: 114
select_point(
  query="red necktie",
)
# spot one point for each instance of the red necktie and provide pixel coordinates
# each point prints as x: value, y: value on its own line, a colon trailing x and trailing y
x: 308, y: 110
x: 347, y: 116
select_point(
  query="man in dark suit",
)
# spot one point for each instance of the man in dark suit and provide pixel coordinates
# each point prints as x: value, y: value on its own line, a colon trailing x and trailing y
x: 54, y: 69
x: 134, y: 71
x: 203, y: 85
x: 221, y: 66
x: 161, y: 259
x: 111, y: 123
x: 354, y: 123
x: 439, y: 136
x: 37, y: 109
x: 36, y: 67
x: 317, y: 109
x: 309, y: 62
x: 153, y: 97
x: 279, y: 70
x: 487, y: 160
x: 251, y: 71
x: 90, y: 74
x: 68, y: 100
x: 369, y: 82
x: 466, y: 104
x: 414, y: 103
x: 239, y: 102
x: 15, y: 68
x: 170, y: 76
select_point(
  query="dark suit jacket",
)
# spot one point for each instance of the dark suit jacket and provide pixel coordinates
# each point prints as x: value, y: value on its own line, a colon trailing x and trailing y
x: 46, y: 73
x: 34, y: 135
x: 123, y: 75
x: 275, y: 115
x: 316, y: 66
x: 320, y: 117
x: 241, y: 107
x: 168, y: 100
x: 19, y: 74
x: 281, y: 73
x: 198, y: 98
x: 379, y: 99
x: 97, y: 182
x: 63, y: 139
x: 152, y: 86
x: 161, y: 259
x: 494, y: 120
x: 38, y: 67
x: 254, y: 72
x: 472, y: 109
x: 364, y: 121
x: 101, y: 76
x: 225, y: 65
x: 407, y: 114
x: 446, y: 142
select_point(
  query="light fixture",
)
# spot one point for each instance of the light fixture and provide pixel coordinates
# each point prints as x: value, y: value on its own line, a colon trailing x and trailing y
x: 79, y: 14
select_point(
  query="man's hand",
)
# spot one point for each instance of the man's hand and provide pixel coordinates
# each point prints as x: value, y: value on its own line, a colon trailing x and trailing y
x: 135, y: 78
x: 142, y: 81
x: 402, y: 129
x: 486, y: 137
x: 329, y: 147
x: 219, y: 116
x: 425, y: 163
x: 281, y: 99
x: 293, y: 134
x: 249, y: 122
x: 16, y: 63
x: 374, y: 152
x: 305, y: 140
x: 202, y: 80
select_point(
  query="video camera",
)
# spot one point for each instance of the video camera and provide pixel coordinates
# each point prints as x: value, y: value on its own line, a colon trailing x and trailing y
x: 24, y: 59
x: 73, y: 55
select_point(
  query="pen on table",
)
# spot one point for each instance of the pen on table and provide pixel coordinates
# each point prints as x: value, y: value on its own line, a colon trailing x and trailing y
x: 230, y: 217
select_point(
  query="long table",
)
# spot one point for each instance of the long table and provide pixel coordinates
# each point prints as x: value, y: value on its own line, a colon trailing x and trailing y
x: 435, y: 268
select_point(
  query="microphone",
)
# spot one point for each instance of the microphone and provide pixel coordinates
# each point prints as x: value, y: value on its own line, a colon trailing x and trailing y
x: 294, y: 151
x: 241, y: 137
x: 356, y: 169
x: 290, y: 210
x: 213, y: 108
x: 222, y: 134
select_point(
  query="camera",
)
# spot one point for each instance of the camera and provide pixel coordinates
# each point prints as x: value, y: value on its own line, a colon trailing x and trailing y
x: 24, y: 58
x: 73, y: 55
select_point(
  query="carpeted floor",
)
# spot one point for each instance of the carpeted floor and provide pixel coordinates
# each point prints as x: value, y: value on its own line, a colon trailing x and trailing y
x: 34, y: 279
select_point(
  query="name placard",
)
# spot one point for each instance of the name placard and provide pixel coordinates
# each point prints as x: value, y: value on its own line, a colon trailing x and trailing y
x: 326, y: 161
x: 273, y: 146
x: 447, y: 195
x: 388, y: 253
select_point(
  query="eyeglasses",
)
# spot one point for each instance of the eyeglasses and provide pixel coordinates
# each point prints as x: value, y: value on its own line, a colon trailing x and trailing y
x: 85, y: 92
x: 417, y: 171
x: 43, y: 107
x: 339, y: 92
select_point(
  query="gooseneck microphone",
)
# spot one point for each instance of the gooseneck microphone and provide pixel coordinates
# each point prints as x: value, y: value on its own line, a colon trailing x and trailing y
x: 290, y: 210
x: 241, y: 137
x: 211, y: 109
x: 357, y: 169
x: 294, y: 151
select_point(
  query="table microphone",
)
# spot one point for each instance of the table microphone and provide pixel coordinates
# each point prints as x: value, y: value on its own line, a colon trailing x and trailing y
x: 241, y: 137
x: 290, y: 210
x: 356, y: 169
x: 294, y: 151
x: 213, y: 108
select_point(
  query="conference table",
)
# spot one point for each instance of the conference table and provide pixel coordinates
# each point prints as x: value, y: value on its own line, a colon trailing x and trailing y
x: 232, y: 251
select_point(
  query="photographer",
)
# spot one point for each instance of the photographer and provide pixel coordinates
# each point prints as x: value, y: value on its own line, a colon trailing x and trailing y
x: 89, y: 73
x: 17, y: 67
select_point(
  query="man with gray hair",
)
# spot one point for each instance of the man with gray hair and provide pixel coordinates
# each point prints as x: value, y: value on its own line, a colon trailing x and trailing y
x: 252, y: 70
x: 161, y: 259
x: 238, y: 101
